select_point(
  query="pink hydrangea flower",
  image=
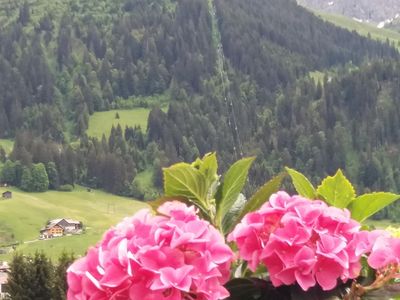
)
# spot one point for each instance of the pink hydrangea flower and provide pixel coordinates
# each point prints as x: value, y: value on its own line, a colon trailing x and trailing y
x: 300, y: 241
x: 384, y: 250
x: 173, y: 256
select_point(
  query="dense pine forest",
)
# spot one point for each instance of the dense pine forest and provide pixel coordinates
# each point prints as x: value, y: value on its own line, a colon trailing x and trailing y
x: 237, y: 77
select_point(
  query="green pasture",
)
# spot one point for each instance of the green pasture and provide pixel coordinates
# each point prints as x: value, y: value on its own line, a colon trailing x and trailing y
x: 364, y: 29
x: 22, y: 217
x: 101, y: 122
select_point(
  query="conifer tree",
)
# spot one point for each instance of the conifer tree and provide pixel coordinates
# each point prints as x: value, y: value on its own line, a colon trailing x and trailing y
x: 20, y: 278
x: 60, y: 273
x: 43, y: 277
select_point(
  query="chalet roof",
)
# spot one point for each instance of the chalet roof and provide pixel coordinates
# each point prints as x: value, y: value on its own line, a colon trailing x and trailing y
x: 6, y: 192
x: 56, y: 221
x: 70, y: 221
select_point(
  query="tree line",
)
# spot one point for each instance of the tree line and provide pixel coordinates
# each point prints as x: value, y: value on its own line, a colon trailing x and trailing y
x: 36, y: 277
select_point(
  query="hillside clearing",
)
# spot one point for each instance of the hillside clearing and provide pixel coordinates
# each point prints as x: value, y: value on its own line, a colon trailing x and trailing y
x: 363, y: 29
x: 26, y: 213
x: 101, y: 122
x: 7, y: 145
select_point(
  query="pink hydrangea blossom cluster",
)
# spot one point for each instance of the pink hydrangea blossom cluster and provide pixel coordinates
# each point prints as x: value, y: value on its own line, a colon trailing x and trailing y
x: 300, y: 240
x: 171, y: 256
x: 382, y: 248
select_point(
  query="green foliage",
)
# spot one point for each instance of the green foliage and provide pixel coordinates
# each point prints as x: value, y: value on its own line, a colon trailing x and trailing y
x: 54, y: 178
x: 42, y: 276
x: 232, y: 216
x: 7, y: 145
x: 40, y: 179
x: 35, y: 277
x: 31, y: 277
x: 34, y: 178
x: 60, y: 286
x: 220, y: 201
x: 184, y: 180
x: 366, y: 205
x: 26, y: 179
x: 137, y: 190
x: 302, y: 184
x: 337, y: 190
x: 8, y: 173
x: 20, y: 279
x: 208, y: 166
x: 233, y: 183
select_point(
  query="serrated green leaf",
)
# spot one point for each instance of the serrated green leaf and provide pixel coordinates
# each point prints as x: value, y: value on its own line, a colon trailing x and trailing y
x: 366, y: 205
x: 183, y: 180
x: 209, y: 167
x: 230, y: 218
x: 337, y: 190
x: 234, y: 181
x: 302, y: 184
x: 262, y: 195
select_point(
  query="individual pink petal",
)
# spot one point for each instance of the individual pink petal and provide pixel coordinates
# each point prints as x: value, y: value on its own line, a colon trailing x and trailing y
x: 327, y: 273
x: 286, y: 276
x: 381, y: 258
x: 305, y: 280
x: 305, y: 260
x: 176, y: 278
x: 330, y: 245
x: 292, y: 233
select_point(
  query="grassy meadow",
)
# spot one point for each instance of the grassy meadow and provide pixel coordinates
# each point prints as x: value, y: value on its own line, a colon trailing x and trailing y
x: 101, y: 122
x: 7, y: 145
x: 22, y: 217
x: 364, y: 29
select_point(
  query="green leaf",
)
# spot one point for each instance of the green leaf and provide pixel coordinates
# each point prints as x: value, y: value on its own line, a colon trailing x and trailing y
x: 183, y: 180
x: 366, y: 205
x: 230, y: 218
x: 234, y: 181
x: 209, y: 167
x: 262, y: 195
x: 302, y: 184
x: 337, y: 190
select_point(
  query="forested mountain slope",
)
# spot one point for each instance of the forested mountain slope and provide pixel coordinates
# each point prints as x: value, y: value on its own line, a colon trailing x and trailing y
x: 80, y: 56
x: 237, y: 82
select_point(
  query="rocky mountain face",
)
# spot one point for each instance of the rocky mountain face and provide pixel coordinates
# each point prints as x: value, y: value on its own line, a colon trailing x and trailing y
x: 376, y: 11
